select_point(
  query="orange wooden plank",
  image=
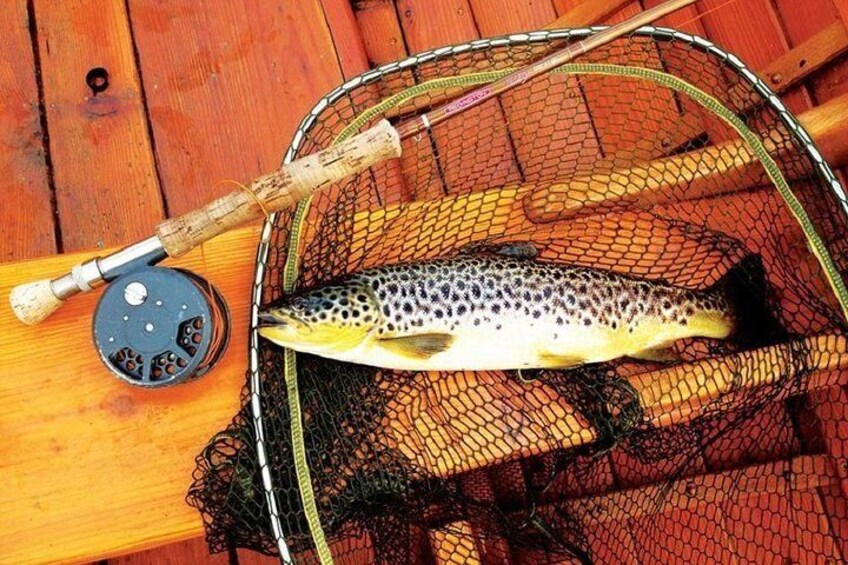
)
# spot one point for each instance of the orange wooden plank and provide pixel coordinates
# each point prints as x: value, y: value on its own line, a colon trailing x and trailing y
x: 346, y: 36
x: 802, y: 20
x: 683, y: 536
x: 477, y: 486
x: 107, y: 190
x: 192, y: 552
x: 384, y: 43
x: 547, y: 117
x: 766, y: 435
x: 595, y: 11
x: 27, y: 228
x: 353, y: 60
x: 427, y: 25
x: 751, y: 30
x: 499, y: 17
x: 613, y: 102
x: 831, y: 407
x: 227, y: 86
x: 82, y: 448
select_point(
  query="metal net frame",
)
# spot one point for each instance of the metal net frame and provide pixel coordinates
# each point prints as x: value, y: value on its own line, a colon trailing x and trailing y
x: 342, y: 480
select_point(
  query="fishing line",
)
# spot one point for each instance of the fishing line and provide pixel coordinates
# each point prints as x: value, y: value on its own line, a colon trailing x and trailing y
x: 249, y: 192
x: 705, y: 13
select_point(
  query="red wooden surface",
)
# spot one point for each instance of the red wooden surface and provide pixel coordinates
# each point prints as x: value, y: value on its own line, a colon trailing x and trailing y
x: 26, y: 229
x: 107, y: 191
x: 200, y: 92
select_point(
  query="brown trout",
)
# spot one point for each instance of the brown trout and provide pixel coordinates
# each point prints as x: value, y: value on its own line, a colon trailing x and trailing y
x: 498, y: 311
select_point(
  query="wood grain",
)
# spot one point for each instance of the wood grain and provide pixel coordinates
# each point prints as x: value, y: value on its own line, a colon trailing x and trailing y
x: 27, y: 228
x: 770, y: 511
x: 717, y: 169
x: 83, y: 448
x: 575, y: 13
x: 107, y: 190
x: 427, y: 25
x: 227, y: 84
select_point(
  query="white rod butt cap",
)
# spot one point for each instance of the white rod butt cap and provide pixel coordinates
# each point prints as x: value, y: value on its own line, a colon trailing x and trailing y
x: 33, y: 302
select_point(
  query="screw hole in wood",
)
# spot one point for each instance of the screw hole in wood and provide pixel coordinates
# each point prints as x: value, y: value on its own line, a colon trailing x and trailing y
x: 97, y: 80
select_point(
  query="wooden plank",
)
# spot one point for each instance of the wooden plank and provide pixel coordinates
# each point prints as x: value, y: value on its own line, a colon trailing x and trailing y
x: 752, y: 31
x: 347, y: 39
x: 453, y: 544
x: 27, y: 229
x: 77, y: 436
x: 614, y: 101
x: 801, y: 22
x: 575, y: 13
x: 762, y: 513
x: 384, y: 43
x: 192, y: 551
x: 807, y: 58
x: 107, y: 190
x: 831, y: 408
x: 549, y: 124
x: 729, y: 166
x: 226, y: 87
x: 427, y: 25
x: 767, y: 434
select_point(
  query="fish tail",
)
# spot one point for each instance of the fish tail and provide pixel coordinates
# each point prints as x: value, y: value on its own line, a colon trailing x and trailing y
x: 745, y: 288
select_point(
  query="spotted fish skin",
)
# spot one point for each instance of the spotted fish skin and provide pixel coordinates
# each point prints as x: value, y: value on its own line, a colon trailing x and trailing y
x: 487, y: 312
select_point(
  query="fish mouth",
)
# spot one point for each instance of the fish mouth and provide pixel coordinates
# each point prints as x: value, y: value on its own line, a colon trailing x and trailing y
x: 267, y: 321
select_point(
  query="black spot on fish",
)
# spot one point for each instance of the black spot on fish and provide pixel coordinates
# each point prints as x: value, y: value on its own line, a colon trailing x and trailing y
x: 407, y: 307
x: 537, y: 314
x: 438, y: 313
x: 587, y: 322
x: 559, y: 320
x: 386, y: 310
x: 345, y: 314
x: 475, y: 290
x: 476, y: 321
x: 496, y: 308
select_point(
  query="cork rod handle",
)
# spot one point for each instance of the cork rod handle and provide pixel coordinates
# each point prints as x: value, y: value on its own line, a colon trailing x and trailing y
x: 281, y: 189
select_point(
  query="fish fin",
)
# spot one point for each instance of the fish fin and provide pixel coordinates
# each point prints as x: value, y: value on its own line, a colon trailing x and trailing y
x: 554, y: 361
x: 516, y: 250
x: 422, y: 346
x: 661, y: 354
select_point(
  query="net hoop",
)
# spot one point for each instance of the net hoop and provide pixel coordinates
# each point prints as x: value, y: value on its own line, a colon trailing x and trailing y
x: 795, y: 129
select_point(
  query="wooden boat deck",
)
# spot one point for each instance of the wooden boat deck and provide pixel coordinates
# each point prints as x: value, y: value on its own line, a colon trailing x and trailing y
x: 204, y: 91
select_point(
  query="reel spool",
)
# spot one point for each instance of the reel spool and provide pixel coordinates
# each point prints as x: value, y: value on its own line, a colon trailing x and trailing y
x: 156, y: 326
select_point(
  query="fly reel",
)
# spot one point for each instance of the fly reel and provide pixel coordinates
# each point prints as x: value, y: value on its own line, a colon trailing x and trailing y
x: 156, y: 326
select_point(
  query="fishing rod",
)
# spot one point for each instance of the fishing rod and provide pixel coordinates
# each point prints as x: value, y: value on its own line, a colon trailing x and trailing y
x: 293, y: 182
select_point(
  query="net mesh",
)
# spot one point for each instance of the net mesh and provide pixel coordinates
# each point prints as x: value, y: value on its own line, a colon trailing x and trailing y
x: 717, y: 456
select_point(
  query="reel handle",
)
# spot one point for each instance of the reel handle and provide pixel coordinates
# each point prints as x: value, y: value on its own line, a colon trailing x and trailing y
x: 281, y: 189
x: 33, y: 302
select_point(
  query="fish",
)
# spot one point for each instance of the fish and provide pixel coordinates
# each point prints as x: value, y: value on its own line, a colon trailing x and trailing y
x: 504, y: 309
